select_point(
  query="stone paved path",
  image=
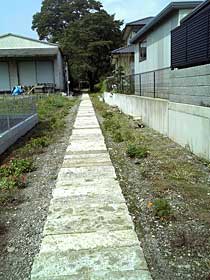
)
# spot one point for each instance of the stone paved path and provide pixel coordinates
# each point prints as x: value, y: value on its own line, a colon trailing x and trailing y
x: 88, y: 233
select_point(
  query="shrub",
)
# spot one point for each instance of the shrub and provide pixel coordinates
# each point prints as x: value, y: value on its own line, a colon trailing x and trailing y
x: 136, y: 151
x: 40, y: 142
x: 7, y: 184
x: 162, y: 208
x: 12, y: 174
x: 16, y: 167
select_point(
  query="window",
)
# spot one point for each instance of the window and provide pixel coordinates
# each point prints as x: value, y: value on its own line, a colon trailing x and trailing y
x: 142, y: 51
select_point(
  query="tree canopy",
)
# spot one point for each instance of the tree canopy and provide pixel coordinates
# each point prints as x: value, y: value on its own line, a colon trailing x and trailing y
x: 88, y: 43
x: 85, y: 31
x: 56, y: 15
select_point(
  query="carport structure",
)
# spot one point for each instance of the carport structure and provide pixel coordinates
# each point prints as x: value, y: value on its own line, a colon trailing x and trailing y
x: 28, y: 62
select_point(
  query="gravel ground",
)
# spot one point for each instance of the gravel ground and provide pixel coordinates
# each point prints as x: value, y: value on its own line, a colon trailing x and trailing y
x: 22, y: 221
x: 177, y: 248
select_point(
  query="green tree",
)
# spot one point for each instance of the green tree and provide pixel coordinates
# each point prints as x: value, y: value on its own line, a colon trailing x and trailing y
x: 85, y: 32
x: 88, y: 43
x: 56, y: 15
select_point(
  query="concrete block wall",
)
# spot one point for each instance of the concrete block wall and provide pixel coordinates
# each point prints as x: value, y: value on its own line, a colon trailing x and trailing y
x: 188, y: 125
x: 190, y: 85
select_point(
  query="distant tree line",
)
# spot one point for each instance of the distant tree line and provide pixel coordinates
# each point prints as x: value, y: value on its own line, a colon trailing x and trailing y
x: 85, y: 32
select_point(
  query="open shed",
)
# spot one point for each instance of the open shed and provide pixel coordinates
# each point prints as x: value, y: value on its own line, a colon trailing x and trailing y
x: 29, y: 62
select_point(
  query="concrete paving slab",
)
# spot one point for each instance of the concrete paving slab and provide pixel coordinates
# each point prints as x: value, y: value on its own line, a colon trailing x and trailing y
x: 89, y: 233
x: 86, y: 131
x: 85, y: 241
x: 86, y: 146
x: 79, y: 190
x: 104, y: 275
x: 82, y: 181
x: 85, y: 261
x: 90, y: 172
x: 98, y: 182
x: 87, y: 159
x: 121, y: 275
x: 84, y: 208
x: 62, y: 222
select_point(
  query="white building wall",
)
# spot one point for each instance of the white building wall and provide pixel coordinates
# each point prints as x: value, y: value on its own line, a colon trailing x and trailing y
x: 159, y: 45
x: 183, y: 13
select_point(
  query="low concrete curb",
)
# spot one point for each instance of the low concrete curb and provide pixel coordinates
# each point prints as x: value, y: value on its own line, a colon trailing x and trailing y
x: 10, y: 136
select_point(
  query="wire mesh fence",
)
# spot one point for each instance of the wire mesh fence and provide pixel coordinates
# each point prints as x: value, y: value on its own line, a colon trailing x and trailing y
x: 149, y: 84
x: 14, y: 110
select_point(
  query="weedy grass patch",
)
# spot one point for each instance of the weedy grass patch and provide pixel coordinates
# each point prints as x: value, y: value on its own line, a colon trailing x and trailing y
x: 136, y: 151
x: 20, y: 158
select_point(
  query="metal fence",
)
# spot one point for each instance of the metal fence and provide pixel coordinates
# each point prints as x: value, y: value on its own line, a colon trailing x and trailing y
x: 188, y: 86
x: 14, y: 110
x: 150, y: 84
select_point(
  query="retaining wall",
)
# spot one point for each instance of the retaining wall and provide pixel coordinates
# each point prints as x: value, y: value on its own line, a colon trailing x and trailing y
x: 188, y: 125
x: 10, y: 136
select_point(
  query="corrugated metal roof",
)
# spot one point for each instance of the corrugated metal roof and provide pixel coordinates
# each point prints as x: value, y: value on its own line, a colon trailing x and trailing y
x: 124, y: 50
x: 13, y: 41
x: 165, y: 12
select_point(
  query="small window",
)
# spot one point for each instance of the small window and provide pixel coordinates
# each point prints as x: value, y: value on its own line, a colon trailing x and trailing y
x: 142, y: 51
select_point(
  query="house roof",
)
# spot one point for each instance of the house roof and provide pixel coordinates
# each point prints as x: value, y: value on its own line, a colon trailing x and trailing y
x: 14, y: 41
x: 196, y: 10
x: 135, y: 26
x: 142, y: 21
x: 124, y: 50
x: 173, y: 6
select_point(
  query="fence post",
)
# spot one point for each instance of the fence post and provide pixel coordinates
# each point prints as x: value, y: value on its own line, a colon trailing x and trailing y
x: 140, y: 84
x: 154, y: 84
x: 7, y: 114
x: 123, y: 85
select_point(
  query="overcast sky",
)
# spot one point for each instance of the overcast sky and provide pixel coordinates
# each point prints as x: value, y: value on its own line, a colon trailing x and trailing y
x: 16, y: 15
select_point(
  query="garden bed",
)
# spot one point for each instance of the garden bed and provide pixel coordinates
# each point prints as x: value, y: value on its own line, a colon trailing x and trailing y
x: 25, y: 197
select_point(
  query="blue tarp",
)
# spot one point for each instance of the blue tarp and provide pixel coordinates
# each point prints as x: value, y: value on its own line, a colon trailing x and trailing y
x: 17, y: 91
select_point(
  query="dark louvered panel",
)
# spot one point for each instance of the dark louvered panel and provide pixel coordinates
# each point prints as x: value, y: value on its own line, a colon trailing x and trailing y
x: 178, y: 37
x: 191, y: 41
x: 197, y: 38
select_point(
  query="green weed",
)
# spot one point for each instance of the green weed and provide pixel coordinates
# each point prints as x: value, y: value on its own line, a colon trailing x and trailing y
x: 162, y: 208
x: 136, y: 151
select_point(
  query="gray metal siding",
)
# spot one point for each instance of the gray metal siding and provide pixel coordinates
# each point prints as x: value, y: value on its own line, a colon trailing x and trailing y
x: 27, y: 73
x: 4, y: 76
x: 45, y: 72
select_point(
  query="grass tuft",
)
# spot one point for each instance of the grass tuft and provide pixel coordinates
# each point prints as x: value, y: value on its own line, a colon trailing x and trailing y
x: 136, y: 151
